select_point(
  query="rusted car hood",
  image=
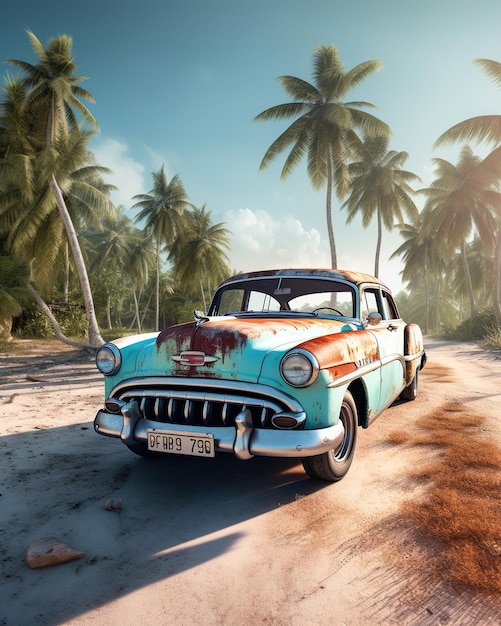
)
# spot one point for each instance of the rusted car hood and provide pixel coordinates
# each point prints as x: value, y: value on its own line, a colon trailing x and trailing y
x: 228, y: 347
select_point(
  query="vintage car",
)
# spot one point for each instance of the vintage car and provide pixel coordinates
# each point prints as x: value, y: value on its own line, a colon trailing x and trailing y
x: 286, y: 363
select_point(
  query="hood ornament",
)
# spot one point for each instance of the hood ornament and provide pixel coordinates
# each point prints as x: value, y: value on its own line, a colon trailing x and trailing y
x: 200, y: 318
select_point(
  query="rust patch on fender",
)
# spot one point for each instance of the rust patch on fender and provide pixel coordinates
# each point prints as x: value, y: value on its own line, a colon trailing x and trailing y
x: 342, y: 349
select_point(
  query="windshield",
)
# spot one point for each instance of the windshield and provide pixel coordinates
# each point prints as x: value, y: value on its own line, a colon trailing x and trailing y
x: 279, y: 294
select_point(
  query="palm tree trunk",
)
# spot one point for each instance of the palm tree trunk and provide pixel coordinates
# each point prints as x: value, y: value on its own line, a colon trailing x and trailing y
x: 95, y: 338
x: 108, y: 312
x: 497, y: 279
x: 426, y: 295
x: 330, y: 229
x: 157, y: 291
x: 136, y: 307
x: 378, y: 244
x: 203, y: 294
x: 66, y: 297
x: 467, y: 276
x: 438, y: 318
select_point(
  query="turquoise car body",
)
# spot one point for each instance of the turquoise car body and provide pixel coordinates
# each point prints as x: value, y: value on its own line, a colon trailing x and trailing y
x: 225, y: 375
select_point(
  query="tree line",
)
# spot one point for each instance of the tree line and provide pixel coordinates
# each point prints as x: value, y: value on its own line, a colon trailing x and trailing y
x: 59, y: 230
x: 451, y: 254
x: 62, y: 240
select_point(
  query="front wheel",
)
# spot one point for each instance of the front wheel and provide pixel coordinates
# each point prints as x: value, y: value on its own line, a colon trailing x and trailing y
x: 334, y: 464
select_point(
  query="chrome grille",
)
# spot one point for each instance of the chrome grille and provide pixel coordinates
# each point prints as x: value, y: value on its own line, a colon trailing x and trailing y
x: 200, y: 408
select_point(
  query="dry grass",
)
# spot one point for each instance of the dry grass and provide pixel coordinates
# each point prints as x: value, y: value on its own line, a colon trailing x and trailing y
x: 460, y: 516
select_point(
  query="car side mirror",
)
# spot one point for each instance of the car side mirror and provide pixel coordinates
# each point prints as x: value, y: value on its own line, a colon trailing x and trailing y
x: 374, y: 318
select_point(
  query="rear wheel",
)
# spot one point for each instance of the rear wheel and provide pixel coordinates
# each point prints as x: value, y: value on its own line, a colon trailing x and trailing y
x: 334, y: 464
x: 410, y: 392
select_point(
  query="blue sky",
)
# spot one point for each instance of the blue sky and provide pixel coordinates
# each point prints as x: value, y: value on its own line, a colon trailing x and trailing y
x: 179, y: 83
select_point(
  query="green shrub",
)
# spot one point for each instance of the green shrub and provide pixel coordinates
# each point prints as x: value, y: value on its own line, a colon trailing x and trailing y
x: 475, y: 328
x: 34, y: 324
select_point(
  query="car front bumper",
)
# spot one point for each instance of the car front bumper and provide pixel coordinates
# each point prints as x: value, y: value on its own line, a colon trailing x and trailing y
x: 243, y: 440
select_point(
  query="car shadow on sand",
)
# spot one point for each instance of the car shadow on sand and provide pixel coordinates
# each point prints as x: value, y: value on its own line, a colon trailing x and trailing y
x: 175, y: 513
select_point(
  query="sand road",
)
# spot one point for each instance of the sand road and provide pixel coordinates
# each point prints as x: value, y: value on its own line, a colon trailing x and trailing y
x: 219, y: 541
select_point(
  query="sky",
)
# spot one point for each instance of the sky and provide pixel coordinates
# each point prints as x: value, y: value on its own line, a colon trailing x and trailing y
x: 178, y: 84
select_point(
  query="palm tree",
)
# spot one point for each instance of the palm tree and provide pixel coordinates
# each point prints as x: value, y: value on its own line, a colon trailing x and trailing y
x: 13, y: 275
x: 424, y: 271
x: 30, y: 215
x: 163, y: 210
x: 379, y: 186
x: 325, y: 128
x: 200, y: 254
x: 121, y: 246
x: 53, y: 100
x: 485, y: 128
x: 456, y: 205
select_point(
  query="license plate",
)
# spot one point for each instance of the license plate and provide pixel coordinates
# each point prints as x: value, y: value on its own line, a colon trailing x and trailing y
x: 174, y: 442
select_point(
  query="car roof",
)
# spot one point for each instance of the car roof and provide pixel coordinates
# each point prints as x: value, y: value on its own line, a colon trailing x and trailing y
x: 357, y: 278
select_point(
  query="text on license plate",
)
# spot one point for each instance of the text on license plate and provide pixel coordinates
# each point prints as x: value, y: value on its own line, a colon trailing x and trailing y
x: 174, y: 442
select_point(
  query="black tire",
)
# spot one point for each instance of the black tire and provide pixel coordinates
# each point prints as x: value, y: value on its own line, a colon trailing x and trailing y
x: 410, y: 392
x: 333, y: 465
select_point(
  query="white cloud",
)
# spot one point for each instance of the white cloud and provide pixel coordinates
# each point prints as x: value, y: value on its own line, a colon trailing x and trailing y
x: 127, y: 174
x: 260, y: 240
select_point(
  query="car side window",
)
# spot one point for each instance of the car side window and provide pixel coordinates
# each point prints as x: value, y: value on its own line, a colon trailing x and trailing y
x: 368, y: 303
x: 390, y: 310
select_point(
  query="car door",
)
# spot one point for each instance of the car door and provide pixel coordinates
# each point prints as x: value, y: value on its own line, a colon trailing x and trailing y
x: 389, y: 334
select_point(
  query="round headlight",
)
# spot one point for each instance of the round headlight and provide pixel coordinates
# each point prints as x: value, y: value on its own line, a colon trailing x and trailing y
x: 299, y: 368
x: 108, y: 359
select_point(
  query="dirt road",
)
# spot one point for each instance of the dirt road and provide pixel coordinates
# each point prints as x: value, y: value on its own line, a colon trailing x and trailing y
x: 220, y: 541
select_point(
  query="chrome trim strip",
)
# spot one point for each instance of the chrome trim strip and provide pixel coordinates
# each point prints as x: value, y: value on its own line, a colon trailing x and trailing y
x: 412, y: 357
x: 211, y: 387
x: 361, y: 371
x: 393, y: 357
x: 367, y: 369
x: 259, y: 442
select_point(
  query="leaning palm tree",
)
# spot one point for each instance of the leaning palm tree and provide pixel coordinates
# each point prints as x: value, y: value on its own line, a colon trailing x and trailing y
x: 380, y: 187
x: 200, y: 254
x: 53, y: 102
x: 163, y: 210
x: 30, y: 216
x: 325, y: 128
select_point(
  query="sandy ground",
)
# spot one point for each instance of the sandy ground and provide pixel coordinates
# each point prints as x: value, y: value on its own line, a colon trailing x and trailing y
x: 216, y: 541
